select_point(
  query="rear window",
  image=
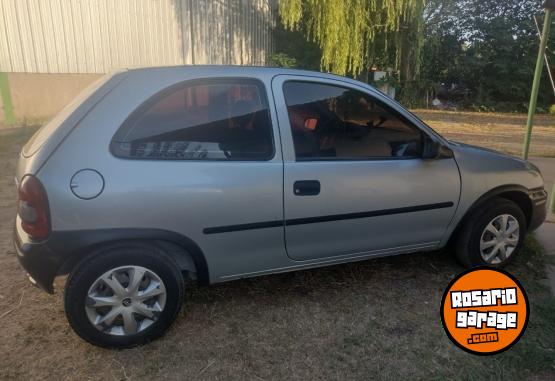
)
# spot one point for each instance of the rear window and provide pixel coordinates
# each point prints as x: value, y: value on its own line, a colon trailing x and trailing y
x: 200, y: 120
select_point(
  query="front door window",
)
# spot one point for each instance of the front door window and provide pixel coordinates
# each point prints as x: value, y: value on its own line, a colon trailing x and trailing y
x: 337, y: 123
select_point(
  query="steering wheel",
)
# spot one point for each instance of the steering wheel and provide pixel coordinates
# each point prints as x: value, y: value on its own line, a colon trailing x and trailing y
x: 382, y: 120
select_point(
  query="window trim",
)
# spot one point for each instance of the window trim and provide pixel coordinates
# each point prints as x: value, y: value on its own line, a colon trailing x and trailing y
x: 138, y: 112
x: 378, y: 101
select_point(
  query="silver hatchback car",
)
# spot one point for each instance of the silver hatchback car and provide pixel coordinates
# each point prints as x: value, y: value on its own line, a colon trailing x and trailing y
x: 153, y: 176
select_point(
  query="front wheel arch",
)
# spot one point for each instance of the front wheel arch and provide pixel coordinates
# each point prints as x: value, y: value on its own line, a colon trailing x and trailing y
x: 467, y: 245
x: 515, y: 193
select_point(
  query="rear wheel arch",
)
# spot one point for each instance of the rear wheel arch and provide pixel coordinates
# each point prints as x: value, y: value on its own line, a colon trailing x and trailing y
x: 184, y: 251
x: 96, y: 301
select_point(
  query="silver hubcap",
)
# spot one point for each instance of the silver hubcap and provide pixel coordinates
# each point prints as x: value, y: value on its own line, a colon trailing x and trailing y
x: 499, y: 239
x: 125, y: 300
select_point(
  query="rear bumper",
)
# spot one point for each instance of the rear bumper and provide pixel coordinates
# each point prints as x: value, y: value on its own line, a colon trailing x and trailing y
x: 40, y: 262
x: 58, y: 254
x: 539, y: 208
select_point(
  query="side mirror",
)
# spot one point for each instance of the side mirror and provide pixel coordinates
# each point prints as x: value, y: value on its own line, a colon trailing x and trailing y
x: 431, y: 149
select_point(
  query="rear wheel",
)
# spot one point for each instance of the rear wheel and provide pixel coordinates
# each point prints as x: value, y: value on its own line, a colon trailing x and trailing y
x: 124, y: 296
x: 491, y: 235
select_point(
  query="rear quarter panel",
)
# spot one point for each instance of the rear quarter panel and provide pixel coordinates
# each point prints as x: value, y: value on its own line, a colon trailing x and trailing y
x: 180, y: 196
x: 47, y: 139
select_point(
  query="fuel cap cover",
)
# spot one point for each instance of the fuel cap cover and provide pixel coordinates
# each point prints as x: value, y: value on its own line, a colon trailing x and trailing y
x: 87, y: 184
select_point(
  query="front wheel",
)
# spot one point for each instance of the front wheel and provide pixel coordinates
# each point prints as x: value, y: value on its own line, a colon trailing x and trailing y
x: 123, y: 296
x: 491, y: 235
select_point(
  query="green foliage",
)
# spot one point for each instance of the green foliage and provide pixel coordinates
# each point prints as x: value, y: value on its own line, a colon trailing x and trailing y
x: 282, y: 60
x: 346, y: 30
x: 490, y: 48
x: 293, y: 44
x: 485, y: 48
x: 552, y: 109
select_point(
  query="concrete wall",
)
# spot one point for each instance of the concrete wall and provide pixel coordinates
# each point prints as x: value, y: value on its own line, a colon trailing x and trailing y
x: 38, y: 97
x: 52, y: 49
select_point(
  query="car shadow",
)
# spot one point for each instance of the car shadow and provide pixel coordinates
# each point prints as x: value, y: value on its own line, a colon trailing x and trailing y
x: 394, y: 272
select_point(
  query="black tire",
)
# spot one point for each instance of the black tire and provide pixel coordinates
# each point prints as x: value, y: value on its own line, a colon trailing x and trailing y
x: 103, y: 260
x: 467, y: 244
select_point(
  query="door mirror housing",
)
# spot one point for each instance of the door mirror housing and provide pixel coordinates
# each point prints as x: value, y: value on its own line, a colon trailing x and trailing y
x: 431, y: 149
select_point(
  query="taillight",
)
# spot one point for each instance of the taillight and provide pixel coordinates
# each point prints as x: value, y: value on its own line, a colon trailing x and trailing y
x: 32, y: 208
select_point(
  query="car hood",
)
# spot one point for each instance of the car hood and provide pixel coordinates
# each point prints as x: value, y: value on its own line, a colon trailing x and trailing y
x: 478, y: 148
x: 479, y: 159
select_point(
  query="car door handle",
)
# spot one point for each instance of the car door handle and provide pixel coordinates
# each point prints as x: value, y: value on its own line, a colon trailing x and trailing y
x: 306, y: 188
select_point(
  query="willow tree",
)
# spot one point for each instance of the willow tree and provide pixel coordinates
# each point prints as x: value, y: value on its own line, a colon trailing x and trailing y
x: 348, y: 31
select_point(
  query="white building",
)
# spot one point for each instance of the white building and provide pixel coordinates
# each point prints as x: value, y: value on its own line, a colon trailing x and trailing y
x: 90, y: 37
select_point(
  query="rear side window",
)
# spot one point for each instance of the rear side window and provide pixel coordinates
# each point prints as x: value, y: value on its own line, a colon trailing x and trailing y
x: 200, y: 120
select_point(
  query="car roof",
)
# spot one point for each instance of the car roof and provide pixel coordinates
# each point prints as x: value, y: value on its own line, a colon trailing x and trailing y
x: 232, y: 70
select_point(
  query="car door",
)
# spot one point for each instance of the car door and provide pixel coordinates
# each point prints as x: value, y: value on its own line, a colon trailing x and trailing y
x: 355, y: 182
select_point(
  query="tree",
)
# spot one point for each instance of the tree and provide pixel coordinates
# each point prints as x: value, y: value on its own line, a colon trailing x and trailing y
x: 488, y: 46
x: 293, y: 50
x: 348, y: 31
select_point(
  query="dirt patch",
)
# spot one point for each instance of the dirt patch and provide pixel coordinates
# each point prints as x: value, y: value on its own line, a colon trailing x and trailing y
x: 377, y: 318
x: 501, y: 132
